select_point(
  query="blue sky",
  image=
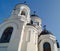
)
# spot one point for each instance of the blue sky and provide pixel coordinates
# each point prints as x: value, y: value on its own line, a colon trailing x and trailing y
x: 47, y: 10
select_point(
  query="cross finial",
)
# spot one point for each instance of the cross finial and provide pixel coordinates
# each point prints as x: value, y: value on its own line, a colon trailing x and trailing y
x: 24, y: 1
x: 34, y: 12
x: 44, y: 26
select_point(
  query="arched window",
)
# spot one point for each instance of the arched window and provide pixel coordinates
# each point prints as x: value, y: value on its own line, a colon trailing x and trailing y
x: 22, y: 13
x: 46, y: 46
x: 5, y: 38
x: 31, y: 22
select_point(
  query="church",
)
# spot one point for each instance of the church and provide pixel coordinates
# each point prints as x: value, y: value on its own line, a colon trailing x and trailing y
x: 23, y: 32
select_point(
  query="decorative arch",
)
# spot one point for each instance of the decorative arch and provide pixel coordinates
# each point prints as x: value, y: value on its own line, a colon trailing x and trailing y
x: 23, y: 13
x: 6, y: 35
x: 46, y: 47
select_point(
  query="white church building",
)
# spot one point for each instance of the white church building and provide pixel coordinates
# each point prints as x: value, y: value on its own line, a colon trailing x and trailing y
x: 23, y: 32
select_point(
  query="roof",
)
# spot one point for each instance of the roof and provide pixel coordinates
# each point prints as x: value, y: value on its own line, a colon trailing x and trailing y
x: 45, y: 32
x: 24, y: 3
x: 34, y: 15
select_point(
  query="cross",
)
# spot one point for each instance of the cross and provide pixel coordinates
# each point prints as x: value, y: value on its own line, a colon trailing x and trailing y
x: 24, y: 1
x: 44, y: 26
x: 34, y: 12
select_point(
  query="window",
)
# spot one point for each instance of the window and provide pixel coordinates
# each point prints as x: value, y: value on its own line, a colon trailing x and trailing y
x: 36, y: 23
x: 31, y: 22
x: 46, y: 46
x: 6, y: 35
x: 22, y: 13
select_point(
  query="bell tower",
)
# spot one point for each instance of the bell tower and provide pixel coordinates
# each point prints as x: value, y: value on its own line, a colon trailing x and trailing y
x: 12, y: 29
x: 22, y: 12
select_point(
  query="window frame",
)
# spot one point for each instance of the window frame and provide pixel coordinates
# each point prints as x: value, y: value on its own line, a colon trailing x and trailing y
x: 45, y: 47
x: 5, y: 38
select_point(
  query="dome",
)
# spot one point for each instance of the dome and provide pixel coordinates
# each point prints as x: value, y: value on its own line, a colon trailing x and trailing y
x: 35, y: 18
x: 34, y: 15
x: 21, y: 8
x: 21, y: 4
x: 45, y: 32
x: 21, y: 11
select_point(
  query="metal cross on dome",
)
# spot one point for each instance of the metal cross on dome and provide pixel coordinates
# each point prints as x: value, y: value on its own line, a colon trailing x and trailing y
x: 44, y: 27
x: 34, y: 12
x: 25, y: 2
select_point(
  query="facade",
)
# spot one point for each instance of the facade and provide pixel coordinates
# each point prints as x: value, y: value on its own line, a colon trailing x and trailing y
x: 23, y: 32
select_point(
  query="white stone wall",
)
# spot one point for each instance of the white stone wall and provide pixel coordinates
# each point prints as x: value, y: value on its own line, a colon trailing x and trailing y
x: 58, y: 49
x: 3, y: 46
x: 33, y: 43
x: 25, y: 37
x: 50, y: 39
